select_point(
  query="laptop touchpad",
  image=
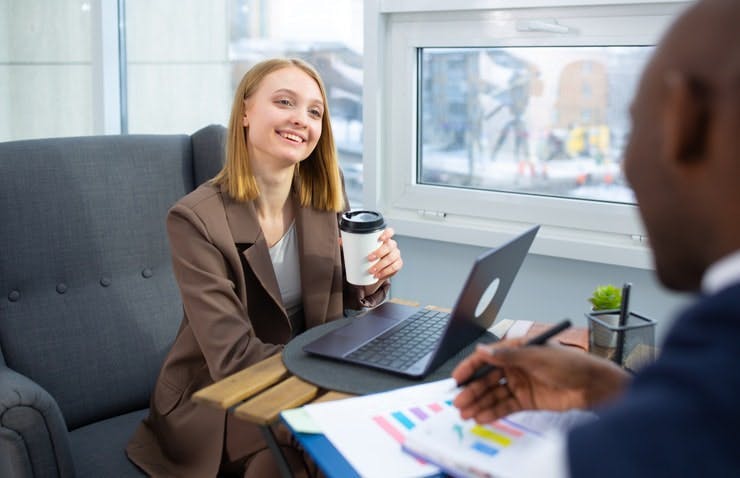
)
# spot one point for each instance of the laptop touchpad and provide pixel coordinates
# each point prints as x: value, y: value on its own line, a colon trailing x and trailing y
x: 366, y: 327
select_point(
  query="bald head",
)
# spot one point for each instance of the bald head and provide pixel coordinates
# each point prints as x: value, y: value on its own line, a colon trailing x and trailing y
x: 705, y: 41
x: 683, y: 157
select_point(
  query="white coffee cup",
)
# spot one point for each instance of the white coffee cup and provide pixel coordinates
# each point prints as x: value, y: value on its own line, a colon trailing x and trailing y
x: 360, y: 230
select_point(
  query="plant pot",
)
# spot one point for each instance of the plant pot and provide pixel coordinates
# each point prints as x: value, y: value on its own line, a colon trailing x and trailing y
x: 631, y: 345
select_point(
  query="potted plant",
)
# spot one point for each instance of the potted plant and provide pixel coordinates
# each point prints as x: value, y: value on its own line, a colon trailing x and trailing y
x: 604, y: 298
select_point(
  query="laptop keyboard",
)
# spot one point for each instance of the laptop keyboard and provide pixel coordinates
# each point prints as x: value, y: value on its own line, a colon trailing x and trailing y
x: 404, y: 344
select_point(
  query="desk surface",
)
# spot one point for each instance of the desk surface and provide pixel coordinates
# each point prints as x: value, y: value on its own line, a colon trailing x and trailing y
x: 260, y: 392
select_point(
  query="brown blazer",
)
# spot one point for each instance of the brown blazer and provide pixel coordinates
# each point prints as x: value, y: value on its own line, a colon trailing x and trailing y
x: 233, y: 317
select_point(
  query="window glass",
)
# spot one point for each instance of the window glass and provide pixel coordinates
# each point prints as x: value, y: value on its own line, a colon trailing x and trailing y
x: 549, y: 121
x: 46, y: 69
x: 185, y: 59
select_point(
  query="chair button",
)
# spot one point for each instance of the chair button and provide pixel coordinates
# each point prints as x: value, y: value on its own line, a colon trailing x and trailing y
x: 146, y: 273
x: 14, y: 295
x: 105, y: 282
x: 61, y: 288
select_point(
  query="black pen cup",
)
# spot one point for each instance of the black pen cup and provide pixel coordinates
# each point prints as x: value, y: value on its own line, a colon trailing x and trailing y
x: 631, y: 345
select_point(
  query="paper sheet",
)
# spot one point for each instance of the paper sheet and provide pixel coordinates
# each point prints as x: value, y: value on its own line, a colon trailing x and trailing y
x: 369, y: 430
x: 300, y: 421
x: 519, y: 329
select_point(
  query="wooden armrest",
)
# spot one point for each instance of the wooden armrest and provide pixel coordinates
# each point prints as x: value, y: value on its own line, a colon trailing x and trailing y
x: 243, y: 384
x: 331, y: 396
x: 264, y: 408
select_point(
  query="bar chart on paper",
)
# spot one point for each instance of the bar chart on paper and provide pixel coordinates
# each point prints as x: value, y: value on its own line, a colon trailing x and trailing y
x: 397, y: 423
x: 369, y: 431
x: 464, y: 448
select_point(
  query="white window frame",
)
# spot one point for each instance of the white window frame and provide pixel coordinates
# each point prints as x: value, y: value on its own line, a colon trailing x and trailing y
x: 394, y: 29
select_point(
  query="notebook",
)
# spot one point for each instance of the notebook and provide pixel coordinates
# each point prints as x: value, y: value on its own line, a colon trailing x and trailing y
x: 413, y: 341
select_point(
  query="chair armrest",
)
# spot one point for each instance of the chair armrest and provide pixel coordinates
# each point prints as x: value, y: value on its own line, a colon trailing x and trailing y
x: 34, y: 441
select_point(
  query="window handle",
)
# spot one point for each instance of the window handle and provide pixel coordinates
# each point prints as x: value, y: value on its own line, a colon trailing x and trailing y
x: 551, y: 26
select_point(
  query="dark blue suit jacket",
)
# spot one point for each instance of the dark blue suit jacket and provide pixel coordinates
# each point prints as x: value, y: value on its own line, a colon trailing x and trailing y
x: 681, y: 415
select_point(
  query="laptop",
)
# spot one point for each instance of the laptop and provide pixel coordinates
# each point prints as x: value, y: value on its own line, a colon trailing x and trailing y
x: 413, y: 341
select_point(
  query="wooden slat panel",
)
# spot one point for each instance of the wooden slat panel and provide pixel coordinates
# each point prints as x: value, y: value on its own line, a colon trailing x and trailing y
x: 331, y: 396
x: 241, y: 385
x: 264, y: 408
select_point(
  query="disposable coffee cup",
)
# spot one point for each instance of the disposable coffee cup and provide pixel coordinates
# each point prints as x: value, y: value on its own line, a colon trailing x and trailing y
x: 360, y: 230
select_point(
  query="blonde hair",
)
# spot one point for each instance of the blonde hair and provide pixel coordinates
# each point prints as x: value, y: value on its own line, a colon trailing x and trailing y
x: 319, y: 182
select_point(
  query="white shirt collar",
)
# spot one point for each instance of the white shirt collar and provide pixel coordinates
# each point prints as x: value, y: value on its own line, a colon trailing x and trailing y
x: 721, y: 274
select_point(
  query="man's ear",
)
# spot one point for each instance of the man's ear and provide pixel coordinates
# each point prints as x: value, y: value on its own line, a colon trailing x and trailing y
x: 685, y: 118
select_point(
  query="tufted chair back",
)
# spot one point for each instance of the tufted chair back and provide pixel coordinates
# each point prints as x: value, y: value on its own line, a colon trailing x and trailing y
x: 88, y: 302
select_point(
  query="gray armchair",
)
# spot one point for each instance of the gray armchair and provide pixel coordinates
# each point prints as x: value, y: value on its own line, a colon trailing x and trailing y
x: 88, y: 302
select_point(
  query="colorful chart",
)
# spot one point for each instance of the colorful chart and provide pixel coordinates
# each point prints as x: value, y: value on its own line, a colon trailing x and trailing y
x: 398, y: 423
x: 484, y: 439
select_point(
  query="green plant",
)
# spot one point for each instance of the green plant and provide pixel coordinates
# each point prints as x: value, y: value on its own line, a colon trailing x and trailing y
x: 606, y: 297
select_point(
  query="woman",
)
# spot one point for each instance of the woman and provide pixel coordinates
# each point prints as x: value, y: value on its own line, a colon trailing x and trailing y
x: 257, y: 259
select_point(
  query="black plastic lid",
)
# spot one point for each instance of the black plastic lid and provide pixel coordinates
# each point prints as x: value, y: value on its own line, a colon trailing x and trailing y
x: 361, y: 221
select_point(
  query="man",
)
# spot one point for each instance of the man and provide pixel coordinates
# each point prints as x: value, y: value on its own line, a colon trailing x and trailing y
x: 679, y: 416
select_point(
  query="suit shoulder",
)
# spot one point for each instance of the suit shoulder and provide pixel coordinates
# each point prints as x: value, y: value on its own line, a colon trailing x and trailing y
x: 206, y: 195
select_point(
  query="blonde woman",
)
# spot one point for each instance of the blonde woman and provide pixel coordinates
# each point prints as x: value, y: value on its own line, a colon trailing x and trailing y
x: 257, y: 259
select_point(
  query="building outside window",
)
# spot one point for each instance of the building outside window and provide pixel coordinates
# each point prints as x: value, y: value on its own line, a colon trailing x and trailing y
x: 548, y: 121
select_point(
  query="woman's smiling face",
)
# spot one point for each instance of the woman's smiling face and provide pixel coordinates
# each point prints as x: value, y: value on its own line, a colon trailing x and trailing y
x: 283, y: 118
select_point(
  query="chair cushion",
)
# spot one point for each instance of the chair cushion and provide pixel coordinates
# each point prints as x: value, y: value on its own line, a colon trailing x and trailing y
x: 99, y: 449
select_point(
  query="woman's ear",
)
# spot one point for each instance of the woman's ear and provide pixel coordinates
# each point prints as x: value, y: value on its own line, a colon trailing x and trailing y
x: 685, y: 120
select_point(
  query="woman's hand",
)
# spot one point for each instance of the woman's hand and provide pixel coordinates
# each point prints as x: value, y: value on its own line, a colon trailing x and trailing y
x: 389, y: 256
x: 389, y: 262
x: 531, y: 378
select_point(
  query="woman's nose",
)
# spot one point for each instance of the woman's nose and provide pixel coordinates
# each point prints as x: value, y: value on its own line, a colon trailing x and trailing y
x: 299, y: 118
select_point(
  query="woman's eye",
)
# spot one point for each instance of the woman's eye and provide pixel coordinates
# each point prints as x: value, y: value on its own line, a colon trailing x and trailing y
x: 284, y: 102
x: 315, y: 113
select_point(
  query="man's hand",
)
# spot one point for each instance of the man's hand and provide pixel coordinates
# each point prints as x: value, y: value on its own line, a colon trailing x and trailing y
x: 549, y: 377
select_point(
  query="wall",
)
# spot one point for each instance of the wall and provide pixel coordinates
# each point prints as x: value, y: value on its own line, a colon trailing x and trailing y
x: 547, y: 289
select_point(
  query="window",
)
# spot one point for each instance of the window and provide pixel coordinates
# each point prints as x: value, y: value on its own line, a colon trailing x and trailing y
x: 67, y: 69
x: 488, y: 117
x: 185, y: 59
x: 47, y: 68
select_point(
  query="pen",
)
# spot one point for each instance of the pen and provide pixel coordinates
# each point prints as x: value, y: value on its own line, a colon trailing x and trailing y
x: 537, y: 340
x: 624, y: 313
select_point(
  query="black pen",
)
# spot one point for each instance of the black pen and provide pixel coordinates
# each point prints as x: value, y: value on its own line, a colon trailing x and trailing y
x: 537, y: 340
x: 624, y: 314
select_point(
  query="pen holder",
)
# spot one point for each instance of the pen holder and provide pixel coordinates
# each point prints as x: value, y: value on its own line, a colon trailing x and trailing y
x: 631, y: 346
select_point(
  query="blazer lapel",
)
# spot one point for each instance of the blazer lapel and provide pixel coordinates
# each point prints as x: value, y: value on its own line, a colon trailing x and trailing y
x: 250, y: 240
x: 318, y: 245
